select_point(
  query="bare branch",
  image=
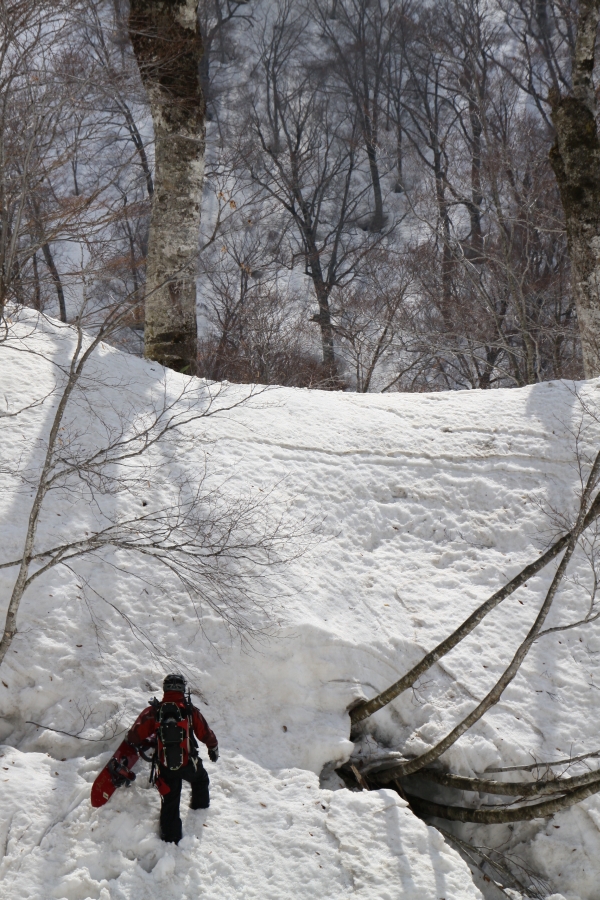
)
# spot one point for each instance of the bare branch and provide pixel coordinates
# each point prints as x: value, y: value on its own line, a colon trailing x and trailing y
x: 502, y: 816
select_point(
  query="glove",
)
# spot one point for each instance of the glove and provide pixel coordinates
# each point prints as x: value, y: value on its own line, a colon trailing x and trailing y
x: 213, y: 753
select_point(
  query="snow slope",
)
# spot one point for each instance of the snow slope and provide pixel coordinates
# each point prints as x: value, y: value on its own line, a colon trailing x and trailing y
x: 426, y: 504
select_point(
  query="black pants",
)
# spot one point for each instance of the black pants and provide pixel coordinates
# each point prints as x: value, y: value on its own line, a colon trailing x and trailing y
x: 194, y: 772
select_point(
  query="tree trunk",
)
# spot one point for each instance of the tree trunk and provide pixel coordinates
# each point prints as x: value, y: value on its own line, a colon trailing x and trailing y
x: 399, y: 186
x: 37, y: 293
x: 323, y: 317
x: 575, y: 158
x: 168, y: 46
x: 475, y: 206
x: 378, y: 218
x: 49, y: 260
x: 324, y: 320
x: 447, y: 265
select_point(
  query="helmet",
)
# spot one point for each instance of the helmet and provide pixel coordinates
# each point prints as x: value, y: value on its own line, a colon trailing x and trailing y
x: 174, y: 682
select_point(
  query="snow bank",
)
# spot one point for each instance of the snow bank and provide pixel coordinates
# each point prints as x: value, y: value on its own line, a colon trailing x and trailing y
x: 426, y: 504
x: 266, y: 835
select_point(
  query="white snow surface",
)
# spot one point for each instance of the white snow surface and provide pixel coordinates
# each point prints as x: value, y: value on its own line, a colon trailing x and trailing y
x: 424, y: 505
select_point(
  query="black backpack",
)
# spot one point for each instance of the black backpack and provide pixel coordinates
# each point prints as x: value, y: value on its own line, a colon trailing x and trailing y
x: 173, y: 736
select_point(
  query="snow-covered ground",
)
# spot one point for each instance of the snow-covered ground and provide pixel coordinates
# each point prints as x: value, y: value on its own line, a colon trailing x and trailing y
x: 424, y: 505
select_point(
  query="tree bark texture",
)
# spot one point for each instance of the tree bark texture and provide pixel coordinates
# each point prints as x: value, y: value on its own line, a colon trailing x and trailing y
x: 49, y: 260
x: 575, y: 158
x: 168, y: 46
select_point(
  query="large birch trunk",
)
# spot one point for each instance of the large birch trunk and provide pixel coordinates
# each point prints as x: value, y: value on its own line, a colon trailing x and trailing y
x: 575, y: 158
x: 168, y: 46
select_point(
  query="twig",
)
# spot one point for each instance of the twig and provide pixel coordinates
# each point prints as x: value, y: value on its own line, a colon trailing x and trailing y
x: 543, y: 765
x: 78, y: 736
x: 501, y: 868
x: 362, y: 782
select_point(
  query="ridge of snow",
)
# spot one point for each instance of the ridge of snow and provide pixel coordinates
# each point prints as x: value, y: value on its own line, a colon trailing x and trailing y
x: 428, y: 504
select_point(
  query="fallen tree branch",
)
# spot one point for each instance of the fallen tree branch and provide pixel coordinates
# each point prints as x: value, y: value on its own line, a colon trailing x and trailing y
x: 367, y: 707
x: 505, y: 789
x: 502, y: 816
x: 493, y: 696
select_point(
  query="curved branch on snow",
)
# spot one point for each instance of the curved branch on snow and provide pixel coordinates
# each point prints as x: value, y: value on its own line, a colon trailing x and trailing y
x: 502, y: 815
x: 506, y: 789
x: 493, y: 696
x: 366, y: 708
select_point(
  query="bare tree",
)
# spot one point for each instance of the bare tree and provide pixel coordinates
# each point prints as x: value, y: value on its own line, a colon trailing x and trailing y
x: 118, y: 93
x: 303, y: 155
x: 34, y: 37
x: 256, y: 325
x: 556, y: 67
x: 216, y: 17
x: 493, y: 274
x: 372, y: 319
x: 360, y: 38
x: 214, y: 546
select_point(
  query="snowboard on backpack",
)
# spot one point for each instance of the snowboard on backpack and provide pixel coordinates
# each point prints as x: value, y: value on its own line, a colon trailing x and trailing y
x: 115, y: 773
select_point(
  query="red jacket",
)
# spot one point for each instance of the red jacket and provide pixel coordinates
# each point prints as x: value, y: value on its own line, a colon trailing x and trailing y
x: 146, y: 726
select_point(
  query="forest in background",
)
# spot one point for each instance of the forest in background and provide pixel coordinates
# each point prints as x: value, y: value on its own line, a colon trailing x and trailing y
x: 380, y: 207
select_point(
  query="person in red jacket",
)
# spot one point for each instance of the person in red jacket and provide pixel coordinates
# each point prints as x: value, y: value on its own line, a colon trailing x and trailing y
x: 174, y: 724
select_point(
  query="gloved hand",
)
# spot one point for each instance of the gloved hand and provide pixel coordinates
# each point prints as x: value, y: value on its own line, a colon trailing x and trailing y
x: 213, y: 753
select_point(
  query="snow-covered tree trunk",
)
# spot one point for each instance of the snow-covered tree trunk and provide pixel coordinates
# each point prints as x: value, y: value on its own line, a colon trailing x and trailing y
x: 575, y: 158
x: 168, y: 46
